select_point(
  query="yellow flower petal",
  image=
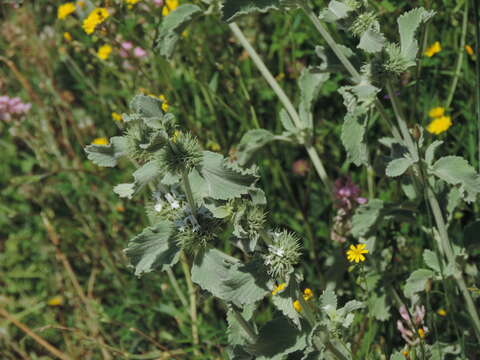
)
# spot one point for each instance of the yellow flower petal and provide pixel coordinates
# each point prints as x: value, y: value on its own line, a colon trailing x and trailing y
x: 436, y: 112
x: 433, y: 49
x: 100, y: 141
x: 469, y: 50
x: 297, y: 306
x: 439, y: 125
x: 66, y: 9
x: 104, y: 52
x: 279, y: 288
x: 55, y: 301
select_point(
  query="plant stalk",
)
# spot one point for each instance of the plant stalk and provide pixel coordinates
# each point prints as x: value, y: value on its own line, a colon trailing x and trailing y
x: 245, y: 325
x: 188, y: 192
x: 284, y: 99
x: 477, y: 71
x: 192, y: 298
x: 461, y: 52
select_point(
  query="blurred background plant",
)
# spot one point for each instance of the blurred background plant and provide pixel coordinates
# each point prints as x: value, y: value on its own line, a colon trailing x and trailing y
x: 66, y: 289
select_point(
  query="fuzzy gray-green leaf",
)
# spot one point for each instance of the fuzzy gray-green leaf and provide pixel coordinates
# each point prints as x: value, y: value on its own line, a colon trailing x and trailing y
x: 397, y: 167
x: 277, y: 339
x: 417, y: 281
x: 365, y: 217
x: 431, y: 260
x: 107, y: 155
x: 456, y: 170
x: 172, y: 27
x: 408, y: 24
x: 372, y: 41
x: 353, y: 134
x: 252, y: 141
x: 430, y: 152
x: 144, y: 175
x: 234, y: 8
x: 153, y: 248
x: 310, y: 83
x: 224, y: 181
x: 283, y: 302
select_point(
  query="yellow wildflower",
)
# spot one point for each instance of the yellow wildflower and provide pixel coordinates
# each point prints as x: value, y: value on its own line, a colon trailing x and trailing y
x: 439, y: 125
x: 64, y: 10
x: 355, y: 253
x: 441, y: 312
x: 165, y: 105
x: 297, y: 306
x: 116, y: 116
x: 170, y: 5
x: 213, y: 145
x: 95, y: 18
x: 55, y: 301
x: 131, y: 3
x: 175, y: 136
x: 433, y: 49
x: 469, y: 50
x: 307, y: 294
x: 279, y: 288
x: 421, y: 333
x: 67, y: 36
x: 100, y: 141
x: 104, y: 52
x: 436, y: 112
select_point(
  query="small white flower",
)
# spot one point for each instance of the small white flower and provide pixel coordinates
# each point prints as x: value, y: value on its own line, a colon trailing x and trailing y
x: 158, y: 207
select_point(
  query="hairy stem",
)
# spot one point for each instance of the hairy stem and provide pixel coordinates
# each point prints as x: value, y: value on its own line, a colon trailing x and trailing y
x: 287, y: 104
x: 176, y: 287
x: 188, y: 192
x: 477, y: 71
x: 193, y: 298
x: 245, y: 325
x: 461, y: 52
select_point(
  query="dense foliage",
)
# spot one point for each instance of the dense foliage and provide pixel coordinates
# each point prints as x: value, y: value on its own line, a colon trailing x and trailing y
x: 307, y: 189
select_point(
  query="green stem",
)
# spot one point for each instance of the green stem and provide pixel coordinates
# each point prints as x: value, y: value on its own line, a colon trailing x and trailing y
x: 188, y: 192
x: 461, y: 51
x: 445, y: 242
x: 245, y: 325
x: 402, y: 124
x: 176, y: 287
x: 284, y: 99
x: 477, y: 72
x: 192, y: 296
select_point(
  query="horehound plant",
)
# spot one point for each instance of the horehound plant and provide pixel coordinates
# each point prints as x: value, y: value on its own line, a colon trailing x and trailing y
x: 197, y: 195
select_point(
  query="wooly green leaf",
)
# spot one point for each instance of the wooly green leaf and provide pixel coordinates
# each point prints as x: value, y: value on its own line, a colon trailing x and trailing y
x: 144, y: 175
x: 431, y: 260
x: 456, y: 170
x: 408, y: 24
x: 397, y: 167
x: 372, y: 41
x: 379, y: 307
x: 430, y: 152
x: 397, y: 356
x: 366, y: 216
x: 107, y: 155
x: 153, y: 248
x: 225, y: 181
x: 245, y: 283
x: 417, y: 281
x: 251, y: 142
x: 233, y: 8
x: 278, y: 338
x: 229, y: 279
x: 172, y: 27
x: 310, y: 83
x: 283, y: 302
x: 335, y: 11
x: 209, y: 270
x: 357, y: 99
x: 236, y: 333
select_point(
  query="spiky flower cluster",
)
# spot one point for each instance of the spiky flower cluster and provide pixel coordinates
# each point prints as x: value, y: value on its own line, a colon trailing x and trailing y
x: 283, y: 254
x: 195, y: 232
x: 363, y: 23
x: 181, y: 153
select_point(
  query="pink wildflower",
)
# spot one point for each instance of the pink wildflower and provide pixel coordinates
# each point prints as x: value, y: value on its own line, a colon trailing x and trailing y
x: 10, y: 107
x: 139, y: 52
x: 301, y: 167
x: 412, y: 332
